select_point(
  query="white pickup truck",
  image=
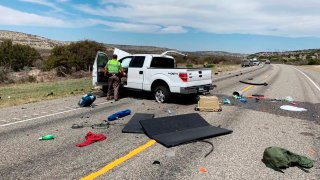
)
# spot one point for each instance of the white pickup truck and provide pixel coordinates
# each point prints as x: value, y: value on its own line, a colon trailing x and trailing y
x: 155, y: 73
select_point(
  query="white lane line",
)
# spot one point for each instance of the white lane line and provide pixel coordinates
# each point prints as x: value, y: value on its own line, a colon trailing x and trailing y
x: 48, y: 115
x: 309, y: 79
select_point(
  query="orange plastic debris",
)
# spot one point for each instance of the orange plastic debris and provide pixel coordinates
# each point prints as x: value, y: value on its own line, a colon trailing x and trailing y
x: 203, y: 170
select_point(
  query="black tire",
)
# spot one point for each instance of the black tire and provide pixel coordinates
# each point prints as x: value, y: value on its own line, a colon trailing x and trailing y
x: 162, y: 94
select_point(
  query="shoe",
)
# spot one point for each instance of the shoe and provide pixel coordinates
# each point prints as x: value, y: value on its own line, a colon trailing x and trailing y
x: 116, y: 100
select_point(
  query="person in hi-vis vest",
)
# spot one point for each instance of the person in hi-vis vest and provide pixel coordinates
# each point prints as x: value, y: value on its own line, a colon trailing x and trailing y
x: 113, y: 70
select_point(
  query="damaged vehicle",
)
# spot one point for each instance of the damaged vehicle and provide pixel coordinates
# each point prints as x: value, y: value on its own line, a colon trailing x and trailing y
x: 156, y: 73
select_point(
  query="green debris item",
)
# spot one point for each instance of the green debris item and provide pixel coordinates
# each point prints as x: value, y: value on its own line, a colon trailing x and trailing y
x: 47, y: 137
x: 226, y: 101
x: 278, y: 159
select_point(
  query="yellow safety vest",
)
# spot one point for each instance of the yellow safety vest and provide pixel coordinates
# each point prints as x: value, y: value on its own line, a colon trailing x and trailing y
x: 113, y: 66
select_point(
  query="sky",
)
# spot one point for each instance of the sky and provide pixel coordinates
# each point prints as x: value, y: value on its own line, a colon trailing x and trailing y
x: 238, y: 26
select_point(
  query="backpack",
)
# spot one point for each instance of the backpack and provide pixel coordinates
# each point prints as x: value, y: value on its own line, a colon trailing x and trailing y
x: 86, y: 100
x: 278, y: 158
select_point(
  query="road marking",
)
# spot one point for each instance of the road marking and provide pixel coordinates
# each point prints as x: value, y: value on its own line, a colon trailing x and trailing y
x: 247, y: 88
x: 48, y: 115
x: 309, y: 79
x: 117, y: 162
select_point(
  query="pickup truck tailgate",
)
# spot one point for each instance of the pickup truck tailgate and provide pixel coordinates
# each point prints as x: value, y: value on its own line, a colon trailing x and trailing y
x: 199, y: 76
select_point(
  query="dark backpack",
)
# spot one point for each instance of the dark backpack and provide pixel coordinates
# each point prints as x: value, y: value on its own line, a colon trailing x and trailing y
x: 278, y: 159
x: 87, y: 100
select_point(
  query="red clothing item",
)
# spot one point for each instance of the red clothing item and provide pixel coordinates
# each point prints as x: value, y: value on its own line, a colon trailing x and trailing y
x: 92, y: 138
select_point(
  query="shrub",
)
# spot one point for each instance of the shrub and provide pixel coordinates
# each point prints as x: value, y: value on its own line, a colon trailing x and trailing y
x: 189, y: 65
x: 4, y: 74
x: 17, y: 56
x: 209, y: 66
x: 32, y: 79
x: 79, y: 55
x: 313, y: 61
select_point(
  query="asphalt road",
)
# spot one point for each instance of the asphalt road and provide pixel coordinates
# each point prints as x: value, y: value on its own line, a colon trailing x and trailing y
x: 255, y: 125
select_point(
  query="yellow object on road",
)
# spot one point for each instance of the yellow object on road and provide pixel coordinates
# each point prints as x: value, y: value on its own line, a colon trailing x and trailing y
x: 208, y: 103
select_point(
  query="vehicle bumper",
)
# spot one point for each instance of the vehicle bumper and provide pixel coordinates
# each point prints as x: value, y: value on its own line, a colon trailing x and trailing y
x: 196, y: 89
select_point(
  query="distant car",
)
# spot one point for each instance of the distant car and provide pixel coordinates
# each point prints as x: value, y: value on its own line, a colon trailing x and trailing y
x: 268, y: 62
x: 254, y: 63
x: 245, y: 63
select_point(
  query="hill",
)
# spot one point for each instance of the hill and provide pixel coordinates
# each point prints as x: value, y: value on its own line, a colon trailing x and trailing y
x: 44, y: 45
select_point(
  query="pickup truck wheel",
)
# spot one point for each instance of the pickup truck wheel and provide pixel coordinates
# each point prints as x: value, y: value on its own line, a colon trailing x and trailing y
x: 162, y: 94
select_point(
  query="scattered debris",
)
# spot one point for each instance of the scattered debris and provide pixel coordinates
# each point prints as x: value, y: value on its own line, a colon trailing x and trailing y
x: 243, y: 100
x: 156, y: 162
x: 133, y: 126
x: 87, y: 100
x: 288, y: 99
x: 47, y: 137
x: 293, y: 103
x: 119, y: 114
x: 212, y: 147
x: 208, y: 103
x: 238, y: 94
x: 292, y: 108
x: 76, y: 126
x: 278, y: 159
x: 256, y: 84
x: 226, y: 101
x: 180, y: 129
x: 315, y: 116
x: 92, y: 138
x: 258, y: 95
x: 203, y: 170
x: 171, y: 112
x: 9, y: 97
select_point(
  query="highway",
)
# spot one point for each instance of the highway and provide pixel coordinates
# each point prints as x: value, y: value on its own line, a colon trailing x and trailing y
x: 255, y: 125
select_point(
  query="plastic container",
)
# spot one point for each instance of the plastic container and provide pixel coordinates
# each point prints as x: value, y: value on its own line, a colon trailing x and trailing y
x: 47, y: 137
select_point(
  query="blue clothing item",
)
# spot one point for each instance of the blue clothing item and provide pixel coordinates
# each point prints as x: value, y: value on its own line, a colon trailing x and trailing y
x: 87, y: 100
x: 119, y: 114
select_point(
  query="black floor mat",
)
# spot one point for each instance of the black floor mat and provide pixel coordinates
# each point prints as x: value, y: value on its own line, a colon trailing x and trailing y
x: 133, y: 126
x: 174, y: 130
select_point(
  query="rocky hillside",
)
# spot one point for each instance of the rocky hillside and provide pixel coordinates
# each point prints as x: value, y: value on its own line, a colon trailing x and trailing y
x: 34, y: 41
x: 44, y: 45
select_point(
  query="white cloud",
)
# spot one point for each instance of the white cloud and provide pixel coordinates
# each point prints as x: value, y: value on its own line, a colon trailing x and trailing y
x: 293, y: 18
x: 44, y: 3
x: 13, y: 17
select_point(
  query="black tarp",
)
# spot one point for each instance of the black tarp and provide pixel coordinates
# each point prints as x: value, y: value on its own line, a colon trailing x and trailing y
x: 133, y: 126
x: 174, y: 130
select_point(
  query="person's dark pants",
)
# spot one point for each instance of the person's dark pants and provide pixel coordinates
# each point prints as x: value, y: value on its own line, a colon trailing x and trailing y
x: 113, y: 81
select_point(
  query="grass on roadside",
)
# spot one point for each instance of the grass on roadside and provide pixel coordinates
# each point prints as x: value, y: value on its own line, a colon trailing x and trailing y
x: 17, y: 94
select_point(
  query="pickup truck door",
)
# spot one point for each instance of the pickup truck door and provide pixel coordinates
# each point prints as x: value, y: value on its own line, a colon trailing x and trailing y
x: 136, y: 73
x: 98, y: 68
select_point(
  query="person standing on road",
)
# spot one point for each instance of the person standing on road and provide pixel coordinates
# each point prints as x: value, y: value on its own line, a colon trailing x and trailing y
x: 113, y: 70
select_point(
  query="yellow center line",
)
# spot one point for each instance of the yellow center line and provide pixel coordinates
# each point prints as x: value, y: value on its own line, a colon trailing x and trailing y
x: 118, y: 161
x: 247, y: 88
